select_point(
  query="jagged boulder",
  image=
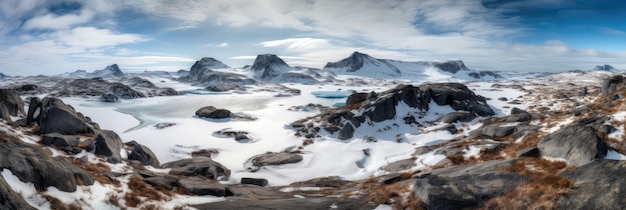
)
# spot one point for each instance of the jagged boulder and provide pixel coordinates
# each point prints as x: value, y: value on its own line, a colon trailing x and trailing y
x: 452, y: 66
x: 142, y: 154
x: 467, y: 186
x: 578, y: 144
x: 460, y: 116
x: 109, y: 145
x: 12, y: 101
x: 598, y: 185
x: 202, y: 187
x: 612, y: 84
x: 10, y: 199
x: 58, y: 117
x: 30, y: 164
x: 212, y: 112
x: 457, y: 96
x: 109, y: 98
x: 60, y: 140
x: 254, y: 181
x: 34, y: 109
x: 199, y: 166
x: 271, y: 159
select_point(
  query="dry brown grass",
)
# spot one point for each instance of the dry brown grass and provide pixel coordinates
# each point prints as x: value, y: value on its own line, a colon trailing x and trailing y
x: 132, y: 200
x: 137, y: 186
x: 540, y: 191
x: 97, y: 171
x: 58, y: 204
x: 394, y: 194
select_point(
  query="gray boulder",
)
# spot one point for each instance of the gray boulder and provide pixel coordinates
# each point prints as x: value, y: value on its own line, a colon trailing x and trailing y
x: 356, y: 98
x: 346, y: 132
x: 254, y: 181
x: 459, y: 116
x: 467, y: 186
x: 457, y: 96
x: 30, y: 164
x: 578, y: 144
x: 12, y: 101
x: 142, y: 154
x: 203, y: 187
x: 272, y: 159
x: 199, y: 166
x: 10, y: 199
x: 225, y: 87
x: 58, y: 117
x: 109, y: 98
x: 312, y: 203
x: 212, y: 112
x: 109, y: 145
x: 612, y: 84
x: 34, y: 109
x: 59, y: 140
x: 598, y: 185
x: 498, y: 130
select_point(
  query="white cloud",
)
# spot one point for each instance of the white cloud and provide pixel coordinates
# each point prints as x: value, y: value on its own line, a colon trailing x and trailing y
x: 298, y: 43
x: 90, y: 37
x: 55, y: 22
x: 221, y: 45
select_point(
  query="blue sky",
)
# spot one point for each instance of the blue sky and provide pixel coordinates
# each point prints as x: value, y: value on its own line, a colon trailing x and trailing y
x: 55, y: 36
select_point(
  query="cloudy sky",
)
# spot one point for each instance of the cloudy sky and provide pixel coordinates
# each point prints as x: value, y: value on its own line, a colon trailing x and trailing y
x: 55, y: 36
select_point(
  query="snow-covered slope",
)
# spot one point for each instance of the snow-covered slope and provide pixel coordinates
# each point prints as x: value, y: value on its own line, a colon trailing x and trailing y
x: 363, y: 65
x: 108, y: 72
x: 360, y: 64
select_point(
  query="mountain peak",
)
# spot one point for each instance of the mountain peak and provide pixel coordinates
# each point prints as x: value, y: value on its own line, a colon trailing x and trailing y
x: 364, y: 63
x: 605, y: 67
x: 211, y: 63
x: 115, y: 70
x: 452, y: 66
x: 268, y: 66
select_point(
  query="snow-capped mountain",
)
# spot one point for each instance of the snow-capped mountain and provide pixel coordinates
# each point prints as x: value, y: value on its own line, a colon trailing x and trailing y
x: 605, y: 67
x: 203, y: 73
x: 109, y: 71
x: 2, y: 76
x: 362, y: 64
x: 269, y: 66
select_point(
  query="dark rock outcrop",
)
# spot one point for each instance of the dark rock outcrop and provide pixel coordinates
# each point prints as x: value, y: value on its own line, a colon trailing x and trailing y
x: 202, y: 187
x: 578, y: 144
x: 10, y: 199
x: 58, y: 117
x: 59, y: 140
x: 142, y: 154
x: 382, y: 106
x: 599, y: 185
x: 109, y: 145
x: 272, y: 159
x: 612, y: 84
x: 199, y: 166
x: 467, y: 186
x: 254, y: 181
x: 313, y: 203
x: 11, y: 100
x: 457, y: 96
x: 460, y: 116
x: 109, y: 98
x: 452, y: 66
x: 30, y: 164
x: 212, y: 112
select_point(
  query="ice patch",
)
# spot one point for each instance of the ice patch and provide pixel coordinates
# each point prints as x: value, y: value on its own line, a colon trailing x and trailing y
x: 614, y: 155
x: 332, y: 94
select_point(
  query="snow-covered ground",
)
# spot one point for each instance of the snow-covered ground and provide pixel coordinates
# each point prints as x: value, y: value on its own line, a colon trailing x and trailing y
x: 135, y: 120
